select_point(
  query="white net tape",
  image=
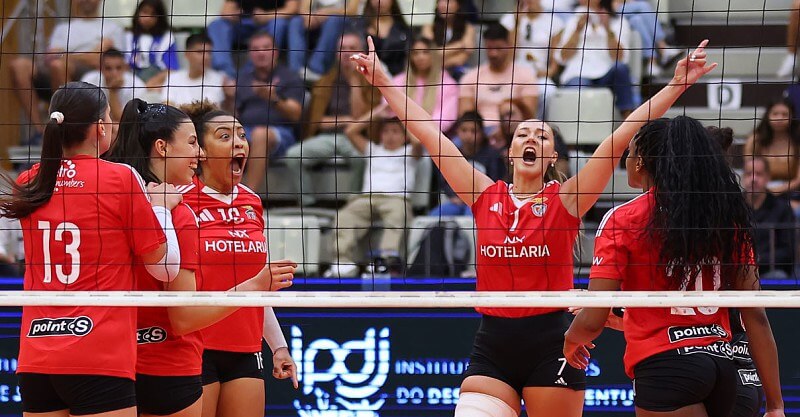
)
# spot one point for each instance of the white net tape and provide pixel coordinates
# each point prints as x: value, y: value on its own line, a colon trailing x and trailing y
x: 406, y: 299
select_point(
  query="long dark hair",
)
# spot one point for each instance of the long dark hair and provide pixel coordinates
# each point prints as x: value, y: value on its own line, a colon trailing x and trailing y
x: 440, y: 25
x: 159, y: 11
x: 140, y: 126
x: 397, y: 15
x: 764, y: 134
x: 82, y: 105
x: 700, y: 215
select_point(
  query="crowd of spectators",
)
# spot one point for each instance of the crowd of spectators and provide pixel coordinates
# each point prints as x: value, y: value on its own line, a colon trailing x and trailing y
x: 282, y: 67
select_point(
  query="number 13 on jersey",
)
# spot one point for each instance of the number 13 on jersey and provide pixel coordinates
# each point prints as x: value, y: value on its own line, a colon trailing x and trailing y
x: 63, y: 232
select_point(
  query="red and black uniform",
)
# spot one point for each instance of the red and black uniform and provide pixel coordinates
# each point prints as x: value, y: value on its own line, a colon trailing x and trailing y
x: 168, y: 366
x: 86, y: 238
x: 232, y: 249
x: 677, y: 356
x: 524, y: 246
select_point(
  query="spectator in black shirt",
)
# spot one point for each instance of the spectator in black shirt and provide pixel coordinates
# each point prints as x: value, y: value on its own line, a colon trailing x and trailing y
x: 479, y: 153
x: 384, y: 21
x: 240, y: 19
x: 269, y: 102
x: 773, y: 220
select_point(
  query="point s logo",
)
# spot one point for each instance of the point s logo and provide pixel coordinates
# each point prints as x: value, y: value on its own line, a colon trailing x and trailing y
x: 62, y: 326
x: 341, y: 379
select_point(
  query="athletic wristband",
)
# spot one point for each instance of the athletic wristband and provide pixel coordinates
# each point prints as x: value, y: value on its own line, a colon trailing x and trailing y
x: 272, y: 331
x: 167, y: 268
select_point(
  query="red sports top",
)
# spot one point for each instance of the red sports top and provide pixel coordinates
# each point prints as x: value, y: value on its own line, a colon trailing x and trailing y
x: 232, y: 250
x: 623, y: 251
x: 85, y: 239
x: 523, y: 246
x: 161, y: 352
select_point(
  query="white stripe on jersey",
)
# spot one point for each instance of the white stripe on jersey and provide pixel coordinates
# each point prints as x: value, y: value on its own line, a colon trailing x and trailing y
x: 610, y: 212
x: 205, y: 216
x: 183, y: 189
x: 246, y: 188
x: 135, y: 175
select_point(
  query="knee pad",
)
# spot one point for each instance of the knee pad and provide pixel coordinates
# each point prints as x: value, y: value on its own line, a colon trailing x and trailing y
x: 473, y: 404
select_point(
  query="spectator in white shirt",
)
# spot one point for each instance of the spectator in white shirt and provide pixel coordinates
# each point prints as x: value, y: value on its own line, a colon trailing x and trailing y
x: 389, y: 177
x: 593, y: 52
x: 198, y: 81
x: 536, y: 35
x: 73, y: 49
x: 117, y: 80
x: 12, y: 251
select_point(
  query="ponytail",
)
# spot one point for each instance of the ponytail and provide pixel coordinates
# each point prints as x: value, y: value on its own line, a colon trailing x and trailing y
x: 75, y: 107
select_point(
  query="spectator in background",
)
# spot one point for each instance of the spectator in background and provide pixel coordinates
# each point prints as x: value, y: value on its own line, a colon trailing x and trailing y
x: 593, y: 52
x: 643, y: 19
x: 239, y: 20
x: 340, y: 97
x: 384, y: 21
x: 323, y: 21
x: 198, y: 81
x: 150, y: 46
x: 12, y: 250
x: 777, y: 139
x: 773, y: 220
x: 117, y: 80
x: 389, y: 176
x: 452, y: 32
x: 73, y: 49
x: 485, y: 87
x: 478, y: 152
x: 269, y: 102
x: 536, y: 35
x: 429, y: 85
x: 788, y: 68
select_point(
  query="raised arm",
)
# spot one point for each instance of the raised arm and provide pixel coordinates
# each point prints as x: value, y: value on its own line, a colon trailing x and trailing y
x: 581, y: 191
x: 466, y: 181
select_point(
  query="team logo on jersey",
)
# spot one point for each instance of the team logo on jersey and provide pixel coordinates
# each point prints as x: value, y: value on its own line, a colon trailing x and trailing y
x: 678, y: 333
x: 250, y: 212
x: 496, y: 207
x: 539, y: 209
x: 62, y: 326
x: 66, y: 176
x: 510, y: 240
x: 153, y: 334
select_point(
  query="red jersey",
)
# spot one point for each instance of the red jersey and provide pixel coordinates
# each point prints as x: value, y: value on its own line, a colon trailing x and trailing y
x: 623, y: 251
x: 232, y: 250
x: 161, y: 352
x: 85, y: 239
x: 523, y: 245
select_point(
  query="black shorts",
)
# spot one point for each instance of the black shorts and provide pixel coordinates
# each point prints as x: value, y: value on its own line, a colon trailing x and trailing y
x: 670, y: 380
x: 525, y: 352
x: 221, y: 366
x: 80, y: 394
x: 165, y: 395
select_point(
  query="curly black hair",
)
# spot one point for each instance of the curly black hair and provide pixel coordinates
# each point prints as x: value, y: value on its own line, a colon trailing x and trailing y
x: 700, y: 216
